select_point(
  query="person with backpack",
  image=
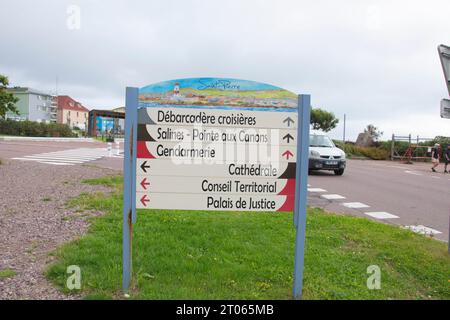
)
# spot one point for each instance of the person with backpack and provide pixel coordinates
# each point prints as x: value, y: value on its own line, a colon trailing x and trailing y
x: 435, y: 157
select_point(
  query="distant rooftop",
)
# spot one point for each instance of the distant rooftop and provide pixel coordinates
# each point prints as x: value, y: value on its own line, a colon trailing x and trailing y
x: 28, y: 90
x: 66, y: 102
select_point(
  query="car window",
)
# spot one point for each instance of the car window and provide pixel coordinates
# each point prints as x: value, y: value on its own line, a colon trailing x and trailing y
x: 320, y: 141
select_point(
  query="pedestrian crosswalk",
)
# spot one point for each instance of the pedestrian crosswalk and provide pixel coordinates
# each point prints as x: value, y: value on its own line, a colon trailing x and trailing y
x: 72, y: 156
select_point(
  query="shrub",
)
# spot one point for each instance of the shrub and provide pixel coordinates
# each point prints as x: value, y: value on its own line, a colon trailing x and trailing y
x: 34, y: 129
x: 375, y: 153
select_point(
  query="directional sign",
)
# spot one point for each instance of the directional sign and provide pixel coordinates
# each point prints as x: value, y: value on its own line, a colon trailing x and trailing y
x: 215, y: 144
x: 203, y: 134
x: 444, y: 55
x: 200, y: 185
x: 188, y: 201
x: 211, y: 152
x: 194, y: 145
x: 225, y: 118
x: 152, y: 167
x: 445, y: 108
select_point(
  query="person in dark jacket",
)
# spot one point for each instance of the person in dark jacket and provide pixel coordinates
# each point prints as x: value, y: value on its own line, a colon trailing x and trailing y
x: 435, y: 157
x: 447, y: 157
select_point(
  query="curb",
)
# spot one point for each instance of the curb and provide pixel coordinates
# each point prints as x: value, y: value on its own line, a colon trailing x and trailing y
x: 12, y: 138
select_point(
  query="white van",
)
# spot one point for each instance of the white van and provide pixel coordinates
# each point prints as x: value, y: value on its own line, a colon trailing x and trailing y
x: 324, y: 155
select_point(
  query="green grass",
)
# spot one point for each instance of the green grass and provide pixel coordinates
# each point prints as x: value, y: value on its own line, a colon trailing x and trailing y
x: 246, y: 255
x: 6, y: 273
x: 108, y: 181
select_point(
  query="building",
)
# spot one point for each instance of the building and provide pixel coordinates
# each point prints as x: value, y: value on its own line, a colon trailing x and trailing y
x: 72, y: 113
x: 119, y: 124
x: 33, y: 105
x: 105, y: 122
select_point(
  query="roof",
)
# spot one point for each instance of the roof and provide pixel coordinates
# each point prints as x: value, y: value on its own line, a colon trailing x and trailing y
x: 67, y: 103
x: 27, y: 90
x: 119, y: 109
x: 107, y: 113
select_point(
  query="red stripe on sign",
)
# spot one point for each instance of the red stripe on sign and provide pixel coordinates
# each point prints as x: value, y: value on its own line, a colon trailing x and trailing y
x: 142, y: 151
x: 289, y: 188
x: 288, y: 204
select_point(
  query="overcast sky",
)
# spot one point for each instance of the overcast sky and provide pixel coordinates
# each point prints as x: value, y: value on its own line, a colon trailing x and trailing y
x: 375, y: 61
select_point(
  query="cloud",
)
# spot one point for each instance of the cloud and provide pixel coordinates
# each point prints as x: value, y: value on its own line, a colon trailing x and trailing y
x: 375, y: 61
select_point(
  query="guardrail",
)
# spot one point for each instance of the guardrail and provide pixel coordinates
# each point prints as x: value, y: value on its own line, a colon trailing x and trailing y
x: 414, y: 152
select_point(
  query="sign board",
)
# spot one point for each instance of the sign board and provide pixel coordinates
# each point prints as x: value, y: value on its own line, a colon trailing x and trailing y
x: 444, y: 55
x: 216, y: 144
x: 232, y: 159
x: 445, y: 108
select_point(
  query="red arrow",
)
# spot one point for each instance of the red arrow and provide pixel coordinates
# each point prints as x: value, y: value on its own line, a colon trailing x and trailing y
x: 144, y: 200
x: 287, y: 154
x: 144, y: 183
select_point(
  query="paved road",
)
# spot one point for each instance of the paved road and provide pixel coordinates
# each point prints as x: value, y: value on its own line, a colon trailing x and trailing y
x: 413, y: 193
x: 407, y: 195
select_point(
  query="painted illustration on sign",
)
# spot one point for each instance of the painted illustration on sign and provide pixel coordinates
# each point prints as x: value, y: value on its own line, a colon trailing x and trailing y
x: 209, y: 92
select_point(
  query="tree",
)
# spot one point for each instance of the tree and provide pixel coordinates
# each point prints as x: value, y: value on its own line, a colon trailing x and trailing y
x: 373, y: 132
x: 323, y: 120
x: 7, y: 99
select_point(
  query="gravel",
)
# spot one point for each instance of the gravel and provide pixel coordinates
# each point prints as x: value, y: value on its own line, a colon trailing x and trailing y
x: 34, y: 220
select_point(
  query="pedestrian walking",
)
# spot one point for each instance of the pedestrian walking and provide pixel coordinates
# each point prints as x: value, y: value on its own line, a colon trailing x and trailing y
x: 435, y: 157
x: 447, y: 157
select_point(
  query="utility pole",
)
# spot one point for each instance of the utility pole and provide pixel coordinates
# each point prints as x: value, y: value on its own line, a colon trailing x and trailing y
x: 444, y: 56
x: 343, y: 138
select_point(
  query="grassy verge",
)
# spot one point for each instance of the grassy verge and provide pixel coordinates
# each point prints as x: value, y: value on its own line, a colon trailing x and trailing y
x: 232, y: 255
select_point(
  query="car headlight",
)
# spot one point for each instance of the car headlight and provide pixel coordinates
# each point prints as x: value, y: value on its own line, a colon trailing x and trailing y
x: 314, y: 154
x: 343, y: 156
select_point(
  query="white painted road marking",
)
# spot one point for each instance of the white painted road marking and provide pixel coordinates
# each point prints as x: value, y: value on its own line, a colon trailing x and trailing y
x: 398, y: 167
x: 332, y: 196
x: 57, y: 163
x: 316, y: 190
x: 43, y: 160
x: 381, y: 215
x: 355, y: 205
x: 423, y: 230
x: 413, y: 172
x: 68, y: 157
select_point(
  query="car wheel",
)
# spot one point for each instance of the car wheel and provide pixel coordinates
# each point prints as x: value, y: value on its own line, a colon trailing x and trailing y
x: 339, y: 172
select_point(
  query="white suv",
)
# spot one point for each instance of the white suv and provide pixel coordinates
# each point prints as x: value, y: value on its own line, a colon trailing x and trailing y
x: 324, y: 155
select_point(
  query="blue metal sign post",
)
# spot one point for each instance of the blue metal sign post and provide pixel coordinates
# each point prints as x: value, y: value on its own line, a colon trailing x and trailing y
x: 301, y: 184
x: 129, y: 183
